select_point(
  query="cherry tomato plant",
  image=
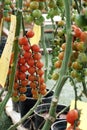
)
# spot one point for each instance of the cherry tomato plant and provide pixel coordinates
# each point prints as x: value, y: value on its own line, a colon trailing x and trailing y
x: 69, y: 52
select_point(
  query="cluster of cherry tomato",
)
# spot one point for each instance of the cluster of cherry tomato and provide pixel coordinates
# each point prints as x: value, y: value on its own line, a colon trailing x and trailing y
x: 78, y: 61
x: 78, y: 58
x: 59, y: 38
x: 36, y: 7
x: 29, y: 70
x: 33, y: 11
x: 54, y: 8
x: 72, y: 118
x: 8, y: 6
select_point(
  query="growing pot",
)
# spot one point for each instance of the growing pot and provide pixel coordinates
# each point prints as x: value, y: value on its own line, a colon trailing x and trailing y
x: 2, y: 43
x: 42, y: 110
x: 25, y: 106
x: 59, y: 125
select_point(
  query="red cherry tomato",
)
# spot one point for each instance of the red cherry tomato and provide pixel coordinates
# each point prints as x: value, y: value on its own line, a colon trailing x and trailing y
x: 30, y: 62
x: 21, y: 61
x: 77, y: 31
x: 37, y: 56
x: 23, y: 41
x: 30, y: 33
x: 72, y: 116
x: 35, y: 48
x: 26, y: 47
x: 22, y: 76
x: 39, y: 64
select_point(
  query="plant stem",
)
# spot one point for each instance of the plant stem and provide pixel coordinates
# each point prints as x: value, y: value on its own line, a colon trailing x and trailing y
x: 63, y: 71
x: 84, y: 88
x: 68, y: 50
x: 77, y: 6
x: 26, y: 116
x: 16, y: 51
x: 2, y: 91
x: 24, y: 32
x: 45, y: 51
x: 53, y: 24
x: 75, y: 90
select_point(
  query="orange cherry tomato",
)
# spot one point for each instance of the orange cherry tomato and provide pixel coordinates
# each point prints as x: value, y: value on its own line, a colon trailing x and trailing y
x: 83, y: 36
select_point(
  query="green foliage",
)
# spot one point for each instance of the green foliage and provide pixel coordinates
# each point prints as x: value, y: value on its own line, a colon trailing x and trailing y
x: 5, y: 121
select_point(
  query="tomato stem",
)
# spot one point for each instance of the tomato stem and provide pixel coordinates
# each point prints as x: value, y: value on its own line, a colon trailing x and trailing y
x: 75, y: 91
x: 24, y: 31
x: 45, y: 52
x: 16, y: 51
x: 64, y: 67
x: 77, y: 6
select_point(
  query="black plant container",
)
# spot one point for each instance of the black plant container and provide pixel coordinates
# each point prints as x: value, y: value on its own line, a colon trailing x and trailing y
x: 59, y: 125
x: 42, y: 111
x: 25, y: 106
x: 2, y: 43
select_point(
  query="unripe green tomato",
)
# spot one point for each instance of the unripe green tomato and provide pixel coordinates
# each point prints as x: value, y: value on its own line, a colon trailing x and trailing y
x: 15, y: 99
x: 39, y: 20
x: 74, y: 73
x: 55, y: 76
x: 34, y: 5
x: 29, y: 18
x: 82, y: 58
x: 73, y: 17
x: 60, y: 32
x: 52, y: 4
x: 36, y: 21
x: 41, y: 5
x: 51, y: 13
x: 57, y: 41
x: 36, y: 13
x: 56, y: 11
x: 61, y: 23
x: 7, y: 7
x: 7, y: 2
